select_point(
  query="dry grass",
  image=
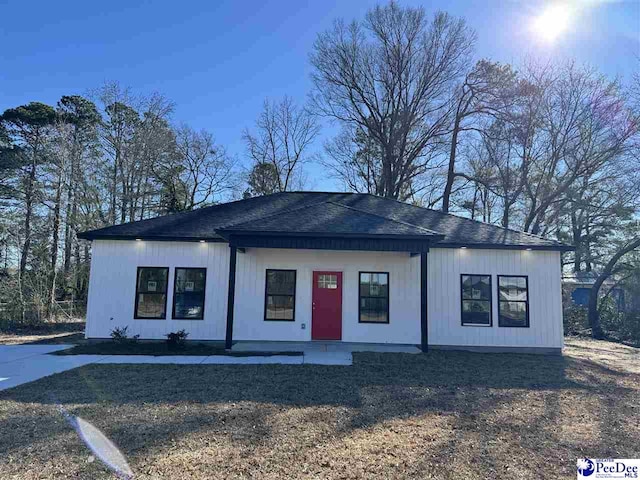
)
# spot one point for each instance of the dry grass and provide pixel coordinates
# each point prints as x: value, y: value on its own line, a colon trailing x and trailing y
x: 71, y: 331
x: 442, y: 415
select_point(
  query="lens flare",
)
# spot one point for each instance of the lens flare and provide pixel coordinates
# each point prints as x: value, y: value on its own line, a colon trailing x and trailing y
x: 99, y: 444
x: 552, y: 22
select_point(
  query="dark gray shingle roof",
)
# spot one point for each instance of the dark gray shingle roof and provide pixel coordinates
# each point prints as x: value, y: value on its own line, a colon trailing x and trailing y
x: 325, y: 213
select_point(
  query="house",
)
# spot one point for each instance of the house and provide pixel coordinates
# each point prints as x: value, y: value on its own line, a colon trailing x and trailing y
x: 578, y: 286
x: 304, y: 266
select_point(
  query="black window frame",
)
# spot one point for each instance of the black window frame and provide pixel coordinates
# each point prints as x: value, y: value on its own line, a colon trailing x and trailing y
x: 462, y: 300
x: 526, y: 302
x: 267, y: 294
x: 166, y: 295
x: 388, y: 299
x: 204, y: 293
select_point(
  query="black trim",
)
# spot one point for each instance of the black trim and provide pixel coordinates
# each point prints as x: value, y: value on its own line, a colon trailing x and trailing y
x: 334, y: 242
x: 156, y: 238
x: 502, y: 246
x: 388, y: 299
x: 483, y: 325
x: 166, y: 296
x: 274, y: 233
x: 393, y: 243
x: 526, y: 302
x: 204, y: 293
x: 424, y: 325
x: 231, y: 295
x: 266, y: 294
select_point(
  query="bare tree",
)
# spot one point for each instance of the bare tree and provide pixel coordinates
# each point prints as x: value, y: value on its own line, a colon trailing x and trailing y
x: 282, y: 137
x: 488, y: 89
x: 199, y: 173
x: 390, y: 76
x: 578, y: 127
x: 355, y: 159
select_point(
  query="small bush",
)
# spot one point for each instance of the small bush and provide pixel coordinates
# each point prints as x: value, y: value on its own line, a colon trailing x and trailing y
x: 177, y: 340
x: 120, y: 335
x: 576, y: 320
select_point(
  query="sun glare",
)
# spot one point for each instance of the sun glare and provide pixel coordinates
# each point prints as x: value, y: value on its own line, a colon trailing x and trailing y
x: 552, y: 22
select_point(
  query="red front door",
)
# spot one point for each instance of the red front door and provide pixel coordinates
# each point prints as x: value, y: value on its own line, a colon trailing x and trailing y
x: 326, y: 320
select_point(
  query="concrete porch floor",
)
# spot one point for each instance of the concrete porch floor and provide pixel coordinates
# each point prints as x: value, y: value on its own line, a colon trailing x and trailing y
x: 321, y: 346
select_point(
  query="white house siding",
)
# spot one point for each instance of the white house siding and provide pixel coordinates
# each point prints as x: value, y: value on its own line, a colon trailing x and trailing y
x: 404, y: 294
x: 112, y: 287
x: 545, y: 297
x: 113, y: 277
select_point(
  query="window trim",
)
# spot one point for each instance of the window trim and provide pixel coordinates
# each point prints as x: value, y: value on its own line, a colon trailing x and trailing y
x: 166, y: 296
x: 462, y: 299
x: 388, y: 300
x: 526, y: 302
x: 204, y: 293
x: 266, y: 294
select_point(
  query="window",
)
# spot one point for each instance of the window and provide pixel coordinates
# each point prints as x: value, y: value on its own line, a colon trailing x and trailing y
x: 188, y: 293
x: 280, y: 295
x: 151, y: 293
x: 476, y: 300
x: 513, y: 301
x: 374, y: 297
x: 327, y: 281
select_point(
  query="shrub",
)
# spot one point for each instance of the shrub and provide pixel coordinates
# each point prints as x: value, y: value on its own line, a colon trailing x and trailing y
x: 120, y: 335
x: 177, y: 340
x: 618, y: 326
x: 576, y: 321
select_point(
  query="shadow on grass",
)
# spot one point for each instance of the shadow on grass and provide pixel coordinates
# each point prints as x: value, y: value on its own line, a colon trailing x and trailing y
x: 149, y: 406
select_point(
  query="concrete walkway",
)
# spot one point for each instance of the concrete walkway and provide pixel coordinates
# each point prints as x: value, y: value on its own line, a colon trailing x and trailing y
x: 25, y: 363
x: 322, y: 346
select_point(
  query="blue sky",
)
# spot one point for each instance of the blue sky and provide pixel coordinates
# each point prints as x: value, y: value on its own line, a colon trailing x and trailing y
x: 218, y: 60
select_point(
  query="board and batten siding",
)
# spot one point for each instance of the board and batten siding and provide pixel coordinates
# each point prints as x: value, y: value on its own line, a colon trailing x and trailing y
x: 404, y: 294
x: 112, y: 287
x: 113, y: 277
x: 444, y: 299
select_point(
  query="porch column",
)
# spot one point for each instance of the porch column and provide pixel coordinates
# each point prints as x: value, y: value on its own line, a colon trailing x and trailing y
x: 423, y: 302
x: 231, y: 296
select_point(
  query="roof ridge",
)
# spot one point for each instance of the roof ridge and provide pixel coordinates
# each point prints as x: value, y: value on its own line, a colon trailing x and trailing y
x: 315, y: 204
x: 402, y: 222
x: 539, y: 237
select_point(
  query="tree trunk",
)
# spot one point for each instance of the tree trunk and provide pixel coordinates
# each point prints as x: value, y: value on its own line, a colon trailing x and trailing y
x: 27, y: 216
x: 54, y: 247
x: 452, y: 166
x: 577, y: 241
x: 594, y: 315
x: 70, y: 213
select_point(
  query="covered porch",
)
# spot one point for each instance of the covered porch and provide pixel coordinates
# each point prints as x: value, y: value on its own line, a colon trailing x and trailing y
x: 413, y: 248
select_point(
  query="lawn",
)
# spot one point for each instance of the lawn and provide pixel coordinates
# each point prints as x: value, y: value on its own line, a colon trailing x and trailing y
x: 443, y: 415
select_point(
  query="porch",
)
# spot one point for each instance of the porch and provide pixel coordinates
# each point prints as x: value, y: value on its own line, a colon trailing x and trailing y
x: 337, y: 347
